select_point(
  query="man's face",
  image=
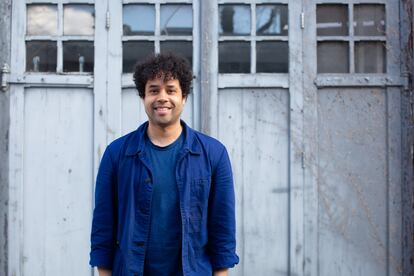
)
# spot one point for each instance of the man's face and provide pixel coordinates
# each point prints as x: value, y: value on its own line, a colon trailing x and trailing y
x: 163, y: 102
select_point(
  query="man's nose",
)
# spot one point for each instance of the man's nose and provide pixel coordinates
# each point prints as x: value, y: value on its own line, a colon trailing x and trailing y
x: 162, y: 96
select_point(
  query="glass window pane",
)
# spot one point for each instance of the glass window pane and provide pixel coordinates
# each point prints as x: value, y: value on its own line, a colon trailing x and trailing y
x: 41, y: 19
x: 78, y: 56
x: 41, y: 56
x: 332, y: 20
x: 333, y: 57
x: 78, y: 19
x: 369, y: 20
x: 370, y: 57
x: 271, y: 20
x: 234, y: 19
x: 134, y: 51
x: 183, y: 48
x: 176, y: 20
x: 272, y: 57
x: 234, y: 57
x: 138, y: 19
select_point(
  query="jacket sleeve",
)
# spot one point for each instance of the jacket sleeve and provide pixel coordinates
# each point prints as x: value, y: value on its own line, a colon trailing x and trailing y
x: 104, y: 214
x: 221, y: 220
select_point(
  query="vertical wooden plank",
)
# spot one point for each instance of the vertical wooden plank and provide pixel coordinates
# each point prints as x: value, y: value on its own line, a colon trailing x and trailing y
x: 15, y: 203
x: 100, y: 84
x: 394, y: 165
x: 230, y: 133
x: 296, y: 150
x: 5, y: 33
x: 114, y: 54
x: 310, y: 160
x: 57, y: 181
x: 16, y: 130
x: 196, y: 93
x: 394, y: 124
x: 406, y: 11
x: 100, y: 89
x: 209, y: 66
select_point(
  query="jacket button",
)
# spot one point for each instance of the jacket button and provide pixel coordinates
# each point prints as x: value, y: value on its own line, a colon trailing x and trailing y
x: 147, y: 180
x: 140, y: 243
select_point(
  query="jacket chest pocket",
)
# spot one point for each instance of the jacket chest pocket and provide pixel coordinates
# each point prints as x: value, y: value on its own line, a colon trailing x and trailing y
x: 199, y: 192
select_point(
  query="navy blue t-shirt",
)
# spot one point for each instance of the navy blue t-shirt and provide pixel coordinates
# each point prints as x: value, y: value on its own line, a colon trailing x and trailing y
x: 163, y: 255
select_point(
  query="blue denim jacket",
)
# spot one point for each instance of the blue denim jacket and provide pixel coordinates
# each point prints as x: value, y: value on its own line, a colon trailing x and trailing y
x: 121, y: 217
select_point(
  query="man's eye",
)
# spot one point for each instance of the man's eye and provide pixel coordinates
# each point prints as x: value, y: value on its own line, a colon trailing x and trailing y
x: 171, y: 91
x: 153, y: 91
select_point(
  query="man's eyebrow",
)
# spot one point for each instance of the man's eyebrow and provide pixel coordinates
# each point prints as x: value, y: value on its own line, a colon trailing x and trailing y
x: 154, y: 86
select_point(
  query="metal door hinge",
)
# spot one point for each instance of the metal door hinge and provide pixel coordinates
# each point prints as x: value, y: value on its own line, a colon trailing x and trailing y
x: 302, y: 20
x: 108, y: 20
x: 5, y: 73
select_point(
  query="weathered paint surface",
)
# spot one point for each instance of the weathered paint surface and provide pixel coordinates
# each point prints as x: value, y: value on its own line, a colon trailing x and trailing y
x: 407, y: 104
x: 57, y: 186
x: 337, y: 213
x: 5, y: 25
x: 253, y: 124
x: 355, y: 164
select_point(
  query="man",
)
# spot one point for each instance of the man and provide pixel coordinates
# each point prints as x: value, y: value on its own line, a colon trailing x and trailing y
x: 164, y: 193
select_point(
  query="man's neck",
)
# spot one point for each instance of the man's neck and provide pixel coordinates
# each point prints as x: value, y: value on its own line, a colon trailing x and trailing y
x: 163, y: 136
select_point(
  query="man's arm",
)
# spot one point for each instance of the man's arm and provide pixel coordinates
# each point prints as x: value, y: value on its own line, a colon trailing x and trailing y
x: 104, y: 272
x: 221, y: 216
x: 221, y: 272
x: 104, y: 214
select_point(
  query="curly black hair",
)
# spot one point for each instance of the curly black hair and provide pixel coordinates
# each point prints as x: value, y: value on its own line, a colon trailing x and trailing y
x: 166, y: 66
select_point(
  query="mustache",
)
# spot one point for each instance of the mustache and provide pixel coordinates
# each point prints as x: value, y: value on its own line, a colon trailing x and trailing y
x: 163, y: 105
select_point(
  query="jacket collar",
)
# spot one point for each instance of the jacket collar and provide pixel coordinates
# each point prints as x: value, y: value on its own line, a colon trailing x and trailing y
x: 136, y: 145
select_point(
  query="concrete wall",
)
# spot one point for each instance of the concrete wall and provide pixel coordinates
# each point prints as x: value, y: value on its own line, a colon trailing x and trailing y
x: 5, y: 24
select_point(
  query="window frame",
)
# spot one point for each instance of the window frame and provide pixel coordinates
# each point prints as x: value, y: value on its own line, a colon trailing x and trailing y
x: 351, y: 38
x: 392, y: 76
x: 157, y: 38
x: 59, y: 38
x: 252, y: 37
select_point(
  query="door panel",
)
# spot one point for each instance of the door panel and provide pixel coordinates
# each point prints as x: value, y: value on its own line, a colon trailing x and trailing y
x: 57, y: 190
x: 352, y: 181
x: 253, y: 124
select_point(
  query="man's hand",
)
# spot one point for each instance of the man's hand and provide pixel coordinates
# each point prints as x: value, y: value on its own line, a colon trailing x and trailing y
x: 104, y: 271
x: 221, y: 272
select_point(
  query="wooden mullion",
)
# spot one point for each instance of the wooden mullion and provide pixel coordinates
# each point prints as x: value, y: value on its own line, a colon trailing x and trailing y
x: 253, y: 35
x: 351, y: 41
x: 59, y: 64
x: 157, y: 48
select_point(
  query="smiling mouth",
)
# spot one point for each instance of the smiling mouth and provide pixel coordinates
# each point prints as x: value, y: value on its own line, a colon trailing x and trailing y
x: 162, y: 108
